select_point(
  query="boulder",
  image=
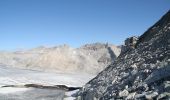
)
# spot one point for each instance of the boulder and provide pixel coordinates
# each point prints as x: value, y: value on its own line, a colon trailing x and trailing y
x: 123, y: 93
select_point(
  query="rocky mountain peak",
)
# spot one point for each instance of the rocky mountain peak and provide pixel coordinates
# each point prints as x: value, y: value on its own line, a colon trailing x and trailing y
x: 158, y: 29
x: 138, y: 73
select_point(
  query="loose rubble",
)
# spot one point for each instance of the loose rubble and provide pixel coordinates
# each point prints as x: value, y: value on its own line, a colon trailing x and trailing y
x: 142, y: 71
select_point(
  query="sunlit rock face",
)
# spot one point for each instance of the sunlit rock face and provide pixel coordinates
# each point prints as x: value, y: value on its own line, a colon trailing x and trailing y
x: 138, y: 73
x: 90, y: 58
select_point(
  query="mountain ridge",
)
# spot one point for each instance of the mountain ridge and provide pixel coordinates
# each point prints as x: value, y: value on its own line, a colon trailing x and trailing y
x: 128, y: 77
x: 88, y: 58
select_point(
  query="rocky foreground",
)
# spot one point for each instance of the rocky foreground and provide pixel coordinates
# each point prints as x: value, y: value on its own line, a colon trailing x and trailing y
x: 142, y: 71
x: 90, y: 58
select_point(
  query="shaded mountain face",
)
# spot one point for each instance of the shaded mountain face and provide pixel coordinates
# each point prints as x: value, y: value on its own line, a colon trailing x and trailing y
x: 141, y: 72
x: 90, y: 58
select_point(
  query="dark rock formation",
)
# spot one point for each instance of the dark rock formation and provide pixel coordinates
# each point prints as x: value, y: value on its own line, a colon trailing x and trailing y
x: 59, y: 87
x: 139, y: 73
x: 131, y: 42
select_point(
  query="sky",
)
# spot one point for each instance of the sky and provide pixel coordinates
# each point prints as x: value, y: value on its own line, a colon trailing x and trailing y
x: 26, y: 24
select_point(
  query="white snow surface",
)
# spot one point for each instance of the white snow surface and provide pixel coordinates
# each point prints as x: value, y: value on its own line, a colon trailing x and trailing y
x: 16, y: 76
x: 8, y: 90
x: 69, y: 95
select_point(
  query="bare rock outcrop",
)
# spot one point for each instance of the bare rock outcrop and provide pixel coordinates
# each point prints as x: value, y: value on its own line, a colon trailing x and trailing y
x: 140, y: 73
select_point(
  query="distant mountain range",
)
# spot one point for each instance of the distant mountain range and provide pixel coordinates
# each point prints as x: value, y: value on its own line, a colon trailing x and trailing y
x: 90, y: 58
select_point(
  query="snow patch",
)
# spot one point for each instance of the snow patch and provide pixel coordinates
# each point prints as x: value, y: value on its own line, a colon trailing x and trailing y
x: 7, y: 90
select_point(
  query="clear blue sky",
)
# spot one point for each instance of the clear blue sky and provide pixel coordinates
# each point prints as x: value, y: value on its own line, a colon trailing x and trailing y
x: 32, y: 23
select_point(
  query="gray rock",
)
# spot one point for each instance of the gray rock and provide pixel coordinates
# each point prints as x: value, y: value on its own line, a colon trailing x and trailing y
x: 90, y: 96
x: 123, y: 93
x: 78, y: 98
x: 158, y: 74
x: 164, y: 96
x: 131, y: 96
x: 151, y: 95
x: 140, y: 96
x: 166, y: 86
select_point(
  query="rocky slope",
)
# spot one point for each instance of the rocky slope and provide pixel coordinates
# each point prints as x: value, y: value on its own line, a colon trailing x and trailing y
x: 140, y: 72
x: 91, y: 58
